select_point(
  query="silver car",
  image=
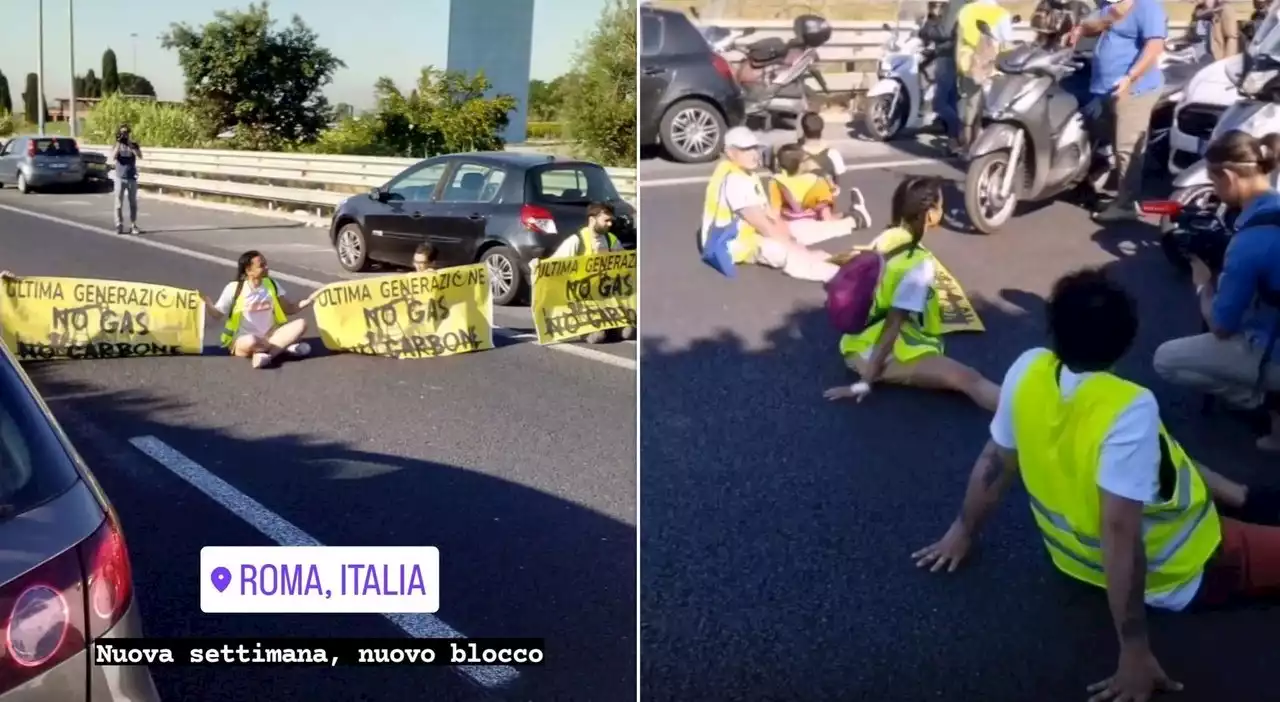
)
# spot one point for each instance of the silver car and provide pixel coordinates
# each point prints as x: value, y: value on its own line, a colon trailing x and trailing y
x: 65, y: 576
x: 33, y: 162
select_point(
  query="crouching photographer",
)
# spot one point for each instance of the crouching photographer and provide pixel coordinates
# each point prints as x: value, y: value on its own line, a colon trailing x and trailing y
x: 1241, y: 302
x: 124, y: 161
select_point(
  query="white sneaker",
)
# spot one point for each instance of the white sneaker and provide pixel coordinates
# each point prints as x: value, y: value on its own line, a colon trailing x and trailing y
x: 858, y: 209
x: 260, y: 359
x: 301, y: 348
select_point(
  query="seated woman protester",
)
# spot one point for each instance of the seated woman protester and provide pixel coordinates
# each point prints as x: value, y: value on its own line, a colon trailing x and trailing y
x: 257, y: 312
x: 905, y: 346
x: 801, y: 195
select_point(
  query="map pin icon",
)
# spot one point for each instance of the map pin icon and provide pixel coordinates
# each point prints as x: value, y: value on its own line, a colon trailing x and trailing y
x: 221, y: 578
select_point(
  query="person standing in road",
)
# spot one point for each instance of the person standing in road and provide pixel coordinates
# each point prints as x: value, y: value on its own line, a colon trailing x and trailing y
x: 939, y: 34
x: 596, y: 237
x: 1217, y: 25
x: 1120, y: 505
x: 975, y: 59
x: 124, y: 161
x: 1131, y: 35
x: 737, y: 226
x: 257, y: 312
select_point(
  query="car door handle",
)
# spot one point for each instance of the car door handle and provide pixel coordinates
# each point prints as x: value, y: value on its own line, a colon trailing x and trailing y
x: 475, y: 216
x: 416, y: 215
x: 654, y: 71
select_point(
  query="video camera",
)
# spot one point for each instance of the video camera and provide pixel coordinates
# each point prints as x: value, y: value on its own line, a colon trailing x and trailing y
x: 1200, y: 230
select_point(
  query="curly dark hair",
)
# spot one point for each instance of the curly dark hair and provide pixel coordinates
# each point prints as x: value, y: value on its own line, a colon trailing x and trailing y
x: 1093, y: 321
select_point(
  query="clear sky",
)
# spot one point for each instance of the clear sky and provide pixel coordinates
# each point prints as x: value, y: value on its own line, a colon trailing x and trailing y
x: 375, y: 38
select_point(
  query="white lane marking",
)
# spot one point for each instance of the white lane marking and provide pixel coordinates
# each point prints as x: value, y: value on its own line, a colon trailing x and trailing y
x: 276, y: 528
x: 599, y: 356
x: 75, y: 202
x: 668, y: 182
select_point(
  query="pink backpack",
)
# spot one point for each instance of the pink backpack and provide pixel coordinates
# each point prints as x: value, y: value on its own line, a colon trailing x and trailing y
x: 851, y: 292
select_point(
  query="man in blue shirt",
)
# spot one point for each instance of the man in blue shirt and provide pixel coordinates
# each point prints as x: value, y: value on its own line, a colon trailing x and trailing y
x: 1131, y: 36
x: 1226, y: 361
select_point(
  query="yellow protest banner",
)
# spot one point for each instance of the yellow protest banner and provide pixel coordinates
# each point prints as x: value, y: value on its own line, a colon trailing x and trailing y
x: 958, y: 314
x: 584, y: 294
x: 60, y: 318
x: 411, y: 315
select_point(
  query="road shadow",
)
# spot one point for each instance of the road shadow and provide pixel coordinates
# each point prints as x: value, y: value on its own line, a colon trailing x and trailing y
x: 514, y: 561
x: 778, y: 526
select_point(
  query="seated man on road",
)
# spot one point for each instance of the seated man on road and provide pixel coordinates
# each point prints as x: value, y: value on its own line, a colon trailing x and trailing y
x: 1118, y: 502
x: 822, y: 158
x: 257, y: 312
x: 736, y: 215
x: 424, y: 258
x: 904, y: 344
x: 1233, y: 360
x: 594, y: 238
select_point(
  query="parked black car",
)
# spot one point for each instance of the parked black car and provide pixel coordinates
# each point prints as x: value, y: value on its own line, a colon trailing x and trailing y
x: 501, y: 208
x: 688, y: 95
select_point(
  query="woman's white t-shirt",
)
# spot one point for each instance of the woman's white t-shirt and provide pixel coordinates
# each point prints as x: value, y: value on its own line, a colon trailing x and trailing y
x: 256, y: 316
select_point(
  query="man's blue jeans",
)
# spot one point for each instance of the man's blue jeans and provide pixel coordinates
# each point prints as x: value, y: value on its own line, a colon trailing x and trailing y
x: 946, y: 96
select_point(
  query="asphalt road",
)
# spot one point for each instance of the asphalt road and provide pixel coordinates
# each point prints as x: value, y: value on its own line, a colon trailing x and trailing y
x: 518, y: 463
x: 777, y: 527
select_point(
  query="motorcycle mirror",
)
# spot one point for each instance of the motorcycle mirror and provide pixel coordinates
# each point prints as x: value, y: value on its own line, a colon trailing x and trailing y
x: 1161, y: 208
x: 1017, y: 19
x: 748, y: 31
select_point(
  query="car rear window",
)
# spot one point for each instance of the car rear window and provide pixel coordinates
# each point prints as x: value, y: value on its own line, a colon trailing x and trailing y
x: 56, y: 147
x: 572, y: 184
x: 34, y: 468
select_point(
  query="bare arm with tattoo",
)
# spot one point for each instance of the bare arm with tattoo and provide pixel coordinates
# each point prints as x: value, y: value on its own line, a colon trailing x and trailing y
x: 992, y: 475
x: 1124, y: 561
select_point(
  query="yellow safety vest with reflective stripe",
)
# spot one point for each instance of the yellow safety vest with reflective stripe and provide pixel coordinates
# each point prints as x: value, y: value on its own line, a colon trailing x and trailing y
x: 232, y: 328
x: 587, y: 242
x: 967, y: 31
x: 715, y: 209
x: 923, y: 329
x: 1059, y: 442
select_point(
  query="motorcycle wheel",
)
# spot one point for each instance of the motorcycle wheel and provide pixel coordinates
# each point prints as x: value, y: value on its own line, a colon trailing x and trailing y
x: 979, y: 182
x: 1201, y: 195
x: 876, y: 120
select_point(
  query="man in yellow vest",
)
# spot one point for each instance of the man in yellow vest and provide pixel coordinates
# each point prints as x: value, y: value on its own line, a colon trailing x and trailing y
x: 975, y: 53
x: 1118, y: 502
x: 596, y: 237
x: 735, y: 202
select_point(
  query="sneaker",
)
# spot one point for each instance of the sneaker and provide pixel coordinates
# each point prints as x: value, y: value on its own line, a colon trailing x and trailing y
x: 858, y: 209
x: 1117, y: 213
x: 260, y: 359
x: 119, y: 229
x: 134, y: 230
x: 301, y: 348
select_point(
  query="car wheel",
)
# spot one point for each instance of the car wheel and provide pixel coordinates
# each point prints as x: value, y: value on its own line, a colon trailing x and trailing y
x: 22, y: 183
x: 692, y: 131
x: 506, y: 281
x: 352, y: 247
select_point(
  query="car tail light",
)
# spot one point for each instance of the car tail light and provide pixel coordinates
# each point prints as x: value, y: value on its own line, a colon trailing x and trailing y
x: 31, y: 148
x: 109, y: 576
x: 722, y: 67
x: 537, y: 219
x: 42, y: 616
x: 1163, y: 208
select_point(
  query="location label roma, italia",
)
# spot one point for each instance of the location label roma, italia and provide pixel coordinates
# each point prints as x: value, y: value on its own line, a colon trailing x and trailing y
x: 52, y: 318
x: 414, y: 315
x: 319, y: 579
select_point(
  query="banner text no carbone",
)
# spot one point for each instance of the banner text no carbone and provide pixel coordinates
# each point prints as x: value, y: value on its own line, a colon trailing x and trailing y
x: 61, y: 318
x: 414, y: 315
x: 584, y: 294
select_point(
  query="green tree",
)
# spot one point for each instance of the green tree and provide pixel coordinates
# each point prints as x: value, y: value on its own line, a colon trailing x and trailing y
x: 545, y: 99
x: 88, y: 85
x: 6, y: 99
x: 31, y: 99
x: 264, y: 83
x: 133, y: 84
x: 110, y: 73
x: 600, y: 95
x: 446, y: 113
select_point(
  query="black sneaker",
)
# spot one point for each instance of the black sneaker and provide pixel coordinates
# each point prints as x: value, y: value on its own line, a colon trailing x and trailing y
x: 119, y: 229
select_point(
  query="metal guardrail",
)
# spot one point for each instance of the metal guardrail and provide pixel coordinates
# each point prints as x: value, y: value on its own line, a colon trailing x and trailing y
x: 853, y: 43
x: 314, y: 182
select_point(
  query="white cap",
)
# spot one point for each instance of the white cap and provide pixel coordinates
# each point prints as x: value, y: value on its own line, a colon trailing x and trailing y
x: 740, y: 138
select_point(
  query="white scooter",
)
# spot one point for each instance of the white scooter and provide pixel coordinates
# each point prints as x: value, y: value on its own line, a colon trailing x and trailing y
x: 899, y: 98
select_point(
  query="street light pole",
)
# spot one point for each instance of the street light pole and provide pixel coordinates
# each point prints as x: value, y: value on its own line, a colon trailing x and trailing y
x: 134, y: 69
x: 40, y: 68
x: 71, y: 31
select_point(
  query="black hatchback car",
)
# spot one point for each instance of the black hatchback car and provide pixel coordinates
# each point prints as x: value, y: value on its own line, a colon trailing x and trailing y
x: 501, y: 208
x: 688, y: 95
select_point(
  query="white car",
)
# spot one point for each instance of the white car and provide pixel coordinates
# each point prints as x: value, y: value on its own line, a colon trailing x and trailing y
x: 1206, y: 97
